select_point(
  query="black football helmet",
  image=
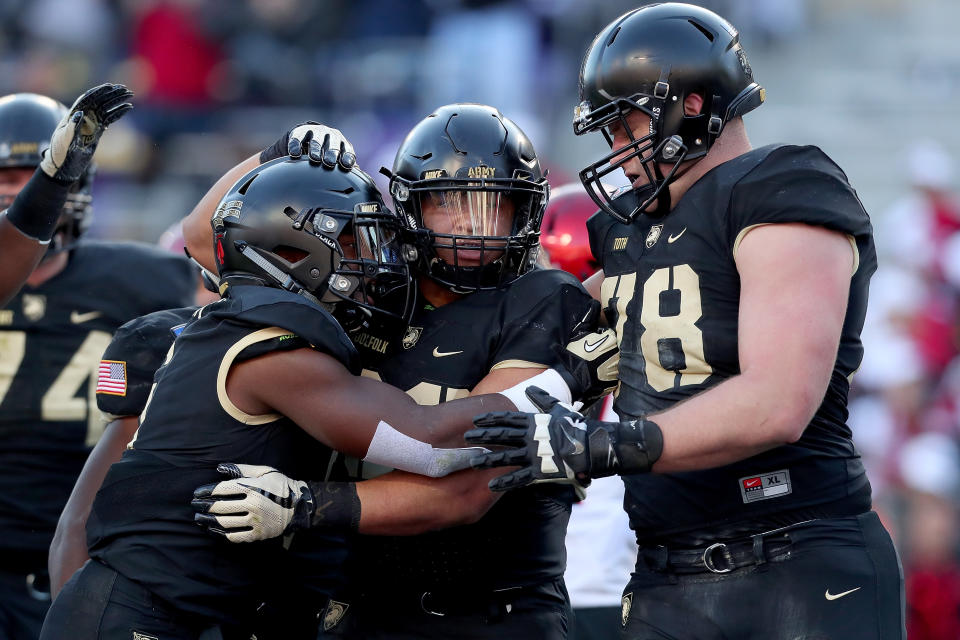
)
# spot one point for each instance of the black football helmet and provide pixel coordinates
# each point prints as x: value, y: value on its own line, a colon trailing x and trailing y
x: 651, y: 59
x: 324, y: 234
x: 27, y: 120
x: 477, y: 176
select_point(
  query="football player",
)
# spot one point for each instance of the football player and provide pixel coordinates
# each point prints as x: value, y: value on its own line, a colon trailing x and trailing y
x: 53, y: 332
x: 33, y: 197
x: 736, y: 279
x: 264, y: 377
x: 140, y: 347
x: 469, y: 184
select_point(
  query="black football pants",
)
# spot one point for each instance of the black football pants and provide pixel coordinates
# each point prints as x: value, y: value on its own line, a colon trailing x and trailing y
x: 538, y: 612
x: 833, y: 579
x: 98, y: 603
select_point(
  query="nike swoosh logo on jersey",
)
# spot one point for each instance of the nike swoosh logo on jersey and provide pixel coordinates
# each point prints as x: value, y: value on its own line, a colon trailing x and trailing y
x: 79, y: 318
x: 442, y: 354
x: 830, y: 596
x: 674, y: 238
x: 590, y: 348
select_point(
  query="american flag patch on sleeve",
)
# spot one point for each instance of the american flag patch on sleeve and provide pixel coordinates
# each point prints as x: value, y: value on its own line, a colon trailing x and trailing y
x: 112, y: 378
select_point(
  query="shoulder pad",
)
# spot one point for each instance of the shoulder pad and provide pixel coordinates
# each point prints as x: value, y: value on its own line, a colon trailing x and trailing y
x: 797, y: 184
x: 139, y: 348
x: 269, y: 306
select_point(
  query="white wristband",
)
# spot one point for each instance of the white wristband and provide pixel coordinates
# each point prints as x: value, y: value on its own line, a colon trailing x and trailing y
x: 549, y: 380
x: 390, y: 448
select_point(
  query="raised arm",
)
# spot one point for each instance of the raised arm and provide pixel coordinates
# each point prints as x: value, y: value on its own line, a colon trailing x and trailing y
x: 324, y: 146
x: 196, y: 226
x: 30, y: 222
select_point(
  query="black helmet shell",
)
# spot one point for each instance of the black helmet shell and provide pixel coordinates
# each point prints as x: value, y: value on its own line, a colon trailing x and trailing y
x: 470, y: 147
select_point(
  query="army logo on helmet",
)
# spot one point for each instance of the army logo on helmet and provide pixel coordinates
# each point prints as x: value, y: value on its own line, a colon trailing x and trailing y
x: 653, y: 235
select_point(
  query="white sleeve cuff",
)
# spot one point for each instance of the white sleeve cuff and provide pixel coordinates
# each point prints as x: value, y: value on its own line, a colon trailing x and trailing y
x: 549, y: 380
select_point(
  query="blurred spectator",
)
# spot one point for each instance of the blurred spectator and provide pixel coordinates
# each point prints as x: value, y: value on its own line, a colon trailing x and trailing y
x: 177, y: 68
x: 484, y: 51
x: 930, y: 467
x: 915, y: 228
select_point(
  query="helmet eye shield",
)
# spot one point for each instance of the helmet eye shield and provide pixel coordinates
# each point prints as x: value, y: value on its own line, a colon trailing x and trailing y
x: 368, y: 269
x: 476, y: 232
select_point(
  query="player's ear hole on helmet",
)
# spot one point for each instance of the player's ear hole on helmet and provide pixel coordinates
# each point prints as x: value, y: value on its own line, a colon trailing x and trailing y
x: 290, y: 254
x: 693, y: 104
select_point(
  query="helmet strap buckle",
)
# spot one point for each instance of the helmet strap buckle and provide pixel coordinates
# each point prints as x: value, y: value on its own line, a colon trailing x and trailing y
x: 714, y: 125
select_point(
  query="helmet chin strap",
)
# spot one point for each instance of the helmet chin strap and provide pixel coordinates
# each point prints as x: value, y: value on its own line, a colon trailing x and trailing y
x: 663, y: 197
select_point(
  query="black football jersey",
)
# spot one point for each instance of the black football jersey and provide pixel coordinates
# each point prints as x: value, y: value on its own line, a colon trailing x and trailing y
x: 445, y: 353
x: 137, y: 350
x: 141, y: 523
x: 672, y: 289
x: 51, y: 341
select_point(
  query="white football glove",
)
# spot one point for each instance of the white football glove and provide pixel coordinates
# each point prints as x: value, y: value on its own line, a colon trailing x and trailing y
x: 258, y: 503
x: 75, y: 139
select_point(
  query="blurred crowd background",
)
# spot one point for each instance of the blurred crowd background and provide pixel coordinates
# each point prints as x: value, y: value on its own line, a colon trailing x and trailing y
x: 875, y: 83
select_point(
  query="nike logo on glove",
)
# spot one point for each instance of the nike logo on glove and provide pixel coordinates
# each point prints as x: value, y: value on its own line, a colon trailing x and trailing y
x: 286, y: 503
x: 577, y: 445
x: 830, y: 596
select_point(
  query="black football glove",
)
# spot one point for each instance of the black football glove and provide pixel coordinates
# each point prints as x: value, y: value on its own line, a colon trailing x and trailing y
x: 321, y: 144
x: 589, y: 362
x: 75, y: 139
x: 561, y: 445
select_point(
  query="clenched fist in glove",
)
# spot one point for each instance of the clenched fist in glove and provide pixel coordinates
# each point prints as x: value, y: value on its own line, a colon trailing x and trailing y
x: 561, y: 445
x: 75, y: 139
